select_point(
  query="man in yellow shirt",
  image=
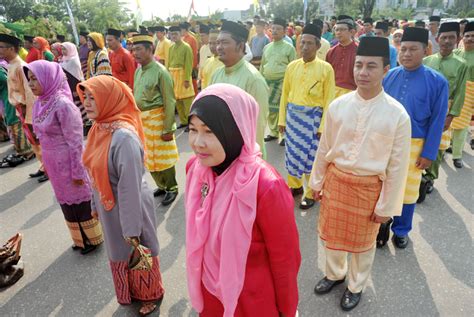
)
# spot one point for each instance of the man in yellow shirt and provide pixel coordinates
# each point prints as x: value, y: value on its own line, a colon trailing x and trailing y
x: 163, y: 45
x: 308, y: 88
x: 211, y: 64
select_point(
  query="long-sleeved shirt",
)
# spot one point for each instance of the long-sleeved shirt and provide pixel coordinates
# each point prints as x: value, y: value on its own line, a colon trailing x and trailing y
x: 323, y: 50
x: 181, y: 56
x: 188, y: 38
x: 393, y: 56
x: 19, y: 93
x: 208, y: 69
x: 153, y: 89
x: 307, y: 84
x: 204, y: 54
x: 367, y: 138
x: 244, y: 75
x: 123, y: 66
x: 276, y: 57
x: 454, y: 69
x: 83, y: 57
x: 424, y: 94
x: 33, y: 55
x: 342, y: 60
x: 434, y: 43
x: 258, y: 43
x: 468, y: 56
x: 163, y: 49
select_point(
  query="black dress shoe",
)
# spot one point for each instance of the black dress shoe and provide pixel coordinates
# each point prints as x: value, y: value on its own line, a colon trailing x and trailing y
x: 400, y: 242
x: 88, y: 248
x: 325, y: 285
x: 159, y: 192
x: 37, y: 174
x: 350, y: 300
x: 297, y: 191
x: 269, y: 138
x: 169, y: 198
x: 472, y: 144
x: 458, y: 163
x: 449, y: 150
x: 307, y: 203
x: 43, y: 178
x: 430, y: 187
x: 282, y: 142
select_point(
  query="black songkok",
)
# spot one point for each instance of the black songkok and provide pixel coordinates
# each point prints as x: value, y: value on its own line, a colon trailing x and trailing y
x: 318, y: 22
x: 411, y: 34
x: 312, y: 29
x: 235, y: 29
x: 469, y: 27
x: 347, y: 20
x: 434, y: 18
x: 174, y: 29
x: 114, y: 32
x: 84, y: 33
x: 420, y: 23
x: 368, y: 20
x: 10, y: 39
x: 449, y: 27
x: 60, y: 38
x: 28, y: 38
x: 204, y: 29
x: 381, y: 25
x: 373, y: 46
x: 280, y: 21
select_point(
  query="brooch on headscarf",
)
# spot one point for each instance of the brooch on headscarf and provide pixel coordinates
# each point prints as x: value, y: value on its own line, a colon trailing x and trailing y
x: 204, y: 191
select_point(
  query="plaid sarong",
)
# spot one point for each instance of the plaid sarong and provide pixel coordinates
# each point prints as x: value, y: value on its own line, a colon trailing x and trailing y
x: 276, y: 87
x: 347, y: 204
x: 412, y: 189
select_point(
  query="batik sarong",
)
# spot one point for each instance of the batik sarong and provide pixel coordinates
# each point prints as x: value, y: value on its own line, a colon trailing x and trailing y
x: 302, y: 124
x: 82, y: 227
x: 348, y: 202
x: 160, y: 155
x: 275, y: 88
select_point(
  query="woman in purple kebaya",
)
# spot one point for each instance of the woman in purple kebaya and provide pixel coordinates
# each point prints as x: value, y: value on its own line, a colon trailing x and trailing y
x: 58, y: 124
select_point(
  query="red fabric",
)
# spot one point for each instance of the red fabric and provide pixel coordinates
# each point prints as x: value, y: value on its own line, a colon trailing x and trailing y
x: 33, y: 55
x: 188, y: 38
x: 274, y: 258
x: 123, y: 66
x: 342, y: 59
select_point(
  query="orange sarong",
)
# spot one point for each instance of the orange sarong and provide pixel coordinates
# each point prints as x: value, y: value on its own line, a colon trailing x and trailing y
x: 347, y: 204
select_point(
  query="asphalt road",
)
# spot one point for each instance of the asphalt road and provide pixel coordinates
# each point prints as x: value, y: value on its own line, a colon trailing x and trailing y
x: 434, y: 276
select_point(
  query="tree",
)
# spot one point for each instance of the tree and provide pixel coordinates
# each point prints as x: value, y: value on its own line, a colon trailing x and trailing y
x: 16, y: 10
x: 366, y: 7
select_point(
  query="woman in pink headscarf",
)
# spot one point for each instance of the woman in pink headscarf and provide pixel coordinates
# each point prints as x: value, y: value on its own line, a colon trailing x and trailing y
x: 58, y: 126
x: 57, y: 52
x: 242, y: 247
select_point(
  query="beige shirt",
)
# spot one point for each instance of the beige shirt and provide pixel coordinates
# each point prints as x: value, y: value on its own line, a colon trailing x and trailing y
x: 19, y: 93
x: 323, y: 50
x: 366, y: 138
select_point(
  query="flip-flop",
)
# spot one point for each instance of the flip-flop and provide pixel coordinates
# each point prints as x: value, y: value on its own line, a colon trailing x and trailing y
x: 147, y: 306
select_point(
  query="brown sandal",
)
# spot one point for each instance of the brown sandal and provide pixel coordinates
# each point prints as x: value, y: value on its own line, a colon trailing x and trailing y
x: 147, y: 308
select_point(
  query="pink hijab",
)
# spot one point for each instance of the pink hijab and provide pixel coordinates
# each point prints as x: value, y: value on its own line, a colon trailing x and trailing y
x: 219, y: 226
x: 53, y: 81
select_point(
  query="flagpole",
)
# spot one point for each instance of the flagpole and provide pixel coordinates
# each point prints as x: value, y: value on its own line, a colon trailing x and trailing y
x: 73, y: 23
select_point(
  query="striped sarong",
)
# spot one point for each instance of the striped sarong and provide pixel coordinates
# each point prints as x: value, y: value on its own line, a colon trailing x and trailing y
x: 160, y: 155
x: 344, y: 218
x: 276, y: 87
x: 180, y: 92
x: 464, y: 119
x: 412, y: 189
x: 302, y: 124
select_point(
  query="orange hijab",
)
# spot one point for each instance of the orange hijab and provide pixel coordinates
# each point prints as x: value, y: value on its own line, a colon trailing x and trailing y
x: 117, y: 109
x: 43, y: 46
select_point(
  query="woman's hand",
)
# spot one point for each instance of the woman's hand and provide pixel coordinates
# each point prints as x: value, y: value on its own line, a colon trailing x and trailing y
x: 167, y: 137
x: 78, y: 182
x: 94, y: 214
x: 133, y: 241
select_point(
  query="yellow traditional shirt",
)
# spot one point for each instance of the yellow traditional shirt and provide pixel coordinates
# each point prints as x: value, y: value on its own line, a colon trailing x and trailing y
x: 309, y: 84
x: 163, y: 49
x: 323, y: 50
x: 208, y: 69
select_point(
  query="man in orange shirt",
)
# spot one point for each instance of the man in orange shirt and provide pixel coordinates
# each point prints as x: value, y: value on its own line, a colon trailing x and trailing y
x: 122, y: 62
x: 188, y: 38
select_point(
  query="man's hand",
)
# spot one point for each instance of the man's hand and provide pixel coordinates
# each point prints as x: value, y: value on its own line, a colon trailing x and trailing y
x: 447, y: 122
x: 167, y: 137
x: 317, y: 195
x: 281, y: 128
x: 378, y: 219
x: 186, y: 84
x: 422, y: 163
x: 78, y: 182
x: 94, y: 214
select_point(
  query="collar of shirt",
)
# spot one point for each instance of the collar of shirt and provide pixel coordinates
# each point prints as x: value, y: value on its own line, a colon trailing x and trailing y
x: 363, y: 102
x: 411, y: 73
x: 149, y: 65
x: 231, y: 69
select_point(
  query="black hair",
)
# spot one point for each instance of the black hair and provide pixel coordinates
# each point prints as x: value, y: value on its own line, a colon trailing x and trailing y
x: 94, y: 45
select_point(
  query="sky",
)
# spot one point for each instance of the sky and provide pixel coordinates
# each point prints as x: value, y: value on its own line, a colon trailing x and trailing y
x: 165, y: 8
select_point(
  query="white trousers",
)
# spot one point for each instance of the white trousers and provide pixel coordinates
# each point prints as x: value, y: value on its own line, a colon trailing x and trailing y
x: 359, y: 269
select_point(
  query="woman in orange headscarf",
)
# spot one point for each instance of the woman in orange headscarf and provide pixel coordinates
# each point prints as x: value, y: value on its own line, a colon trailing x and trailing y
x: 42, y: 45
x: 114, y: 159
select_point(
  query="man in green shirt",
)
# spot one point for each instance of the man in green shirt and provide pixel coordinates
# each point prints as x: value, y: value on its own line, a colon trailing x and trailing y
x: 237, y: 71
x: 276, y: 57
x: 153, y: 92
x: 180, y: 66
x: 454, y: 69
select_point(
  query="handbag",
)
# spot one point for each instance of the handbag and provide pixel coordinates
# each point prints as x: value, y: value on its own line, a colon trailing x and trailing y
x: 140, y: 258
